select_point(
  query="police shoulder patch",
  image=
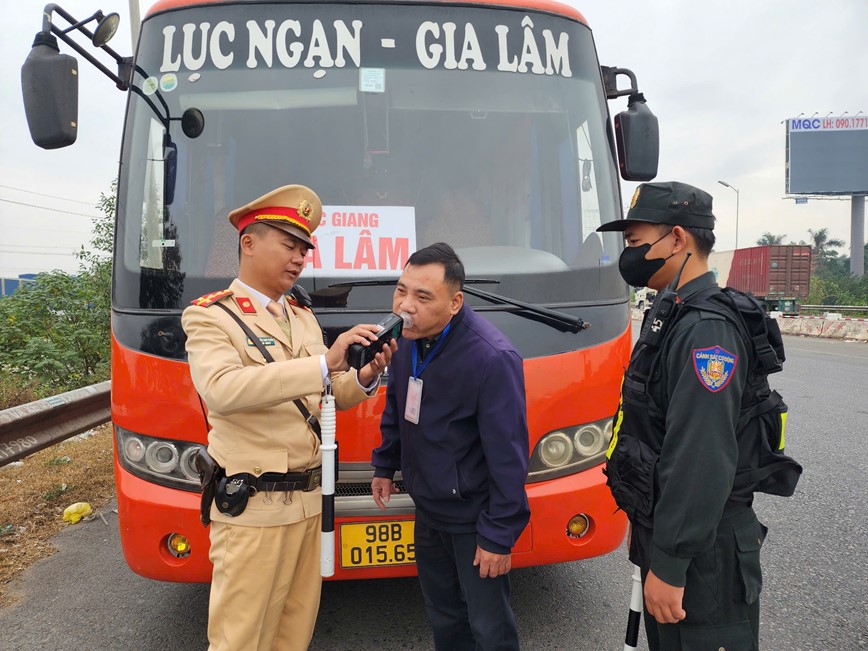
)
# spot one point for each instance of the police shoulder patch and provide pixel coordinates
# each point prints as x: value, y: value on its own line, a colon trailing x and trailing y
x: 210, y: 299
x: 714, y: 367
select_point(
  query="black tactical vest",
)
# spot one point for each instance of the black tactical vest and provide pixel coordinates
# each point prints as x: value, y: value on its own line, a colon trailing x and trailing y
x: 639, y: 425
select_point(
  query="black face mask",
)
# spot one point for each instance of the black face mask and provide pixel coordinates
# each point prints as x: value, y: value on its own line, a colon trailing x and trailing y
x: 635, y: 268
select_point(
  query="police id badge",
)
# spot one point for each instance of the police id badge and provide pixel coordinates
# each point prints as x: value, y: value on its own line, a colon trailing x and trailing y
x: 714, y: 367
x: 266, y: 341
x: 414, y: 400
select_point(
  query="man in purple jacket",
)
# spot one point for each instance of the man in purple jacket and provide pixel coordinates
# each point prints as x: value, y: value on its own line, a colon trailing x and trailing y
x: 455, y: 425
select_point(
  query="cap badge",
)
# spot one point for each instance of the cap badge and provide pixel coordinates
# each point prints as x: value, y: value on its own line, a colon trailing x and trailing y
x: 305, y: 208
x: 635, y: 197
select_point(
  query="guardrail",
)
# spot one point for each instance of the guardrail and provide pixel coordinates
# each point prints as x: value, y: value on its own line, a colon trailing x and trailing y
x: 37, y: 425
x: 835, y: 308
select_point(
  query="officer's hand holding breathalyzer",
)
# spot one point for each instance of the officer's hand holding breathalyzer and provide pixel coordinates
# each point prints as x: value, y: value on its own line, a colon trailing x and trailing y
x: 377, y: 342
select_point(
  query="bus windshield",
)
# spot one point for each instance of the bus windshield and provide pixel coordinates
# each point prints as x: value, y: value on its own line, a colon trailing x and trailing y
x: 482, y: 127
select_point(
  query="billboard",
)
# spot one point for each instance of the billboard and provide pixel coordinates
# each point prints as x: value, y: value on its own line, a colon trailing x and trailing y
x: 827, y: 155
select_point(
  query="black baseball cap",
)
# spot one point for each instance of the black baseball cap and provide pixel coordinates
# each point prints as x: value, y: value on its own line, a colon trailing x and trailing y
x: 674, y: 203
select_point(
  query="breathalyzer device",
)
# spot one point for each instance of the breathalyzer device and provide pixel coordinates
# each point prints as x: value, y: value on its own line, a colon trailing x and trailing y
x: 359, y: 355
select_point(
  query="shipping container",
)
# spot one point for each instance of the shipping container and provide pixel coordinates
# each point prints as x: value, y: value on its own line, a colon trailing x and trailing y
x: 777, y: 274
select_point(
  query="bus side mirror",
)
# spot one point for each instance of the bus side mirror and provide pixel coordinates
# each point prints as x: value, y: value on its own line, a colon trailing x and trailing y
x: 49, y: 83
x: 170, y: 170
x: 637, y: 136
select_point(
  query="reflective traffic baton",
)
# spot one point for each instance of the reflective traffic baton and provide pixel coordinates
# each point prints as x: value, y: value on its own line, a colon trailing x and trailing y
x: 631, y: 640
x: 328, y: 447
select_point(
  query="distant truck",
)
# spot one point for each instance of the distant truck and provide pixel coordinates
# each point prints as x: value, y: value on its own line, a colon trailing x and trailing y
x: 644, y: 297
x: 779, y: 275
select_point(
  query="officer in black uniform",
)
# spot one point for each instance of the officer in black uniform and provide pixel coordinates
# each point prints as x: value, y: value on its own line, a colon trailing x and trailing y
x: 675, y: 449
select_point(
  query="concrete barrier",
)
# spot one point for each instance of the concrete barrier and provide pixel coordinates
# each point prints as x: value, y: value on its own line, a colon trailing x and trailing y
x: 834, y: 328
x: 837, y: 327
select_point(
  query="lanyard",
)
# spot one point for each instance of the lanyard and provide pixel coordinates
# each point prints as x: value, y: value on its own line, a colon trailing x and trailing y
x: 430, y: 355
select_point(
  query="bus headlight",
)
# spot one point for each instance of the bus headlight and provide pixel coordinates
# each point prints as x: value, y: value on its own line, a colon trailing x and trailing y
x: 556, y: 450
x: 134, y: 449
x: 162, y: 457
x: 188, y: 463
x: 167, y: 462
x: 569, y: 450
x: 589, y: 440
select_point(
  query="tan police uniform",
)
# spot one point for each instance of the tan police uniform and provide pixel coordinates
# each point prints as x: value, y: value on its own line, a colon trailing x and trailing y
x: 266, y: 585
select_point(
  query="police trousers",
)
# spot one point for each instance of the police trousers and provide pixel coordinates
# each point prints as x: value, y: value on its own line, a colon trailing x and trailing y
x: 721, y: 595
x: 467, y: 612
x: 265, y: 589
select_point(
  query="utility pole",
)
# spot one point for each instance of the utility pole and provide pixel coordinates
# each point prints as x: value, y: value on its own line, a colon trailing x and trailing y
x: 135, y: 23
x: 857, y: 235
x: 736, y: 208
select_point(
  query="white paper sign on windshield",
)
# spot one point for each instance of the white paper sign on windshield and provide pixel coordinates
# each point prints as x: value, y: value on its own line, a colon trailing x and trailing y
x: 355, y: 241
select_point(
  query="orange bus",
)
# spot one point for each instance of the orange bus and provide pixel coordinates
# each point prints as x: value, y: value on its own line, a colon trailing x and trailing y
x: 482, y: 124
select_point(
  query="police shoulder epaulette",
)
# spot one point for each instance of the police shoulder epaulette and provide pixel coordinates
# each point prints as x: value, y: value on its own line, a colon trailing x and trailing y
x: 292, y: 301
x: 210, y: 299
x: 299, y: 297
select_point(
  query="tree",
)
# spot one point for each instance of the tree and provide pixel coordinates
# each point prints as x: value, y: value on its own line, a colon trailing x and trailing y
x: 832, y: 284
x: 821, y: 248
x: 769, y: 238
x: 55, y: 332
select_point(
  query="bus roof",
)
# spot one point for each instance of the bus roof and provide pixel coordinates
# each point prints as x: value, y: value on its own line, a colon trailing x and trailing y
x: 549, y: 6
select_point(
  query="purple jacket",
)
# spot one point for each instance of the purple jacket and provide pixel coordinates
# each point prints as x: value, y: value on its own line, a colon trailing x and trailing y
x: 465, y: 463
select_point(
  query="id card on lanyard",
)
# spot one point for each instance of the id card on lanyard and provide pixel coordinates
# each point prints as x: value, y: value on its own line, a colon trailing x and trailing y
x: 414, y: 385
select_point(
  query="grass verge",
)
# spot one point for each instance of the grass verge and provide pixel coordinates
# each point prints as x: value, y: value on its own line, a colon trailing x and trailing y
x: 34, y: 495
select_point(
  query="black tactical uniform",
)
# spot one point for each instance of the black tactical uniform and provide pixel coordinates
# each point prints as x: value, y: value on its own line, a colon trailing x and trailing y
x: 675, y: 452
x: 696, y: 536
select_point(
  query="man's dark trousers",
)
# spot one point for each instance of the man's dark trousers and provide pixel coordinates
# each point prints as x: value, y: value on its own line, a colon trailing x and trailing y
x: 467, y: 613
x: 721, y: 596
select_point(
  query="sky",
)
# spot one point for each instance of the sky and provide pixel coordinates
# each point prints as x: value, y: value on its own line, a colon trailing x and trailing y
x: 721, y: 76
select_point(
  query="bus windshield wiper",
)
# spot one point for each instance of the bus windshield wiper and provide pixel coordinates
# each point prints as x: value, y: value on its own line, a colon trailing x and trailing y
x: 558, y: 320
x: 392, y: 281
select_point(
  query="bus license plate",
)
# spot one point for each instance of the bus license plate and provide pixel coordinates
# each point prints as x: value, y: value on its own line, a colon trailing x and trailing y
x: 375, y: 544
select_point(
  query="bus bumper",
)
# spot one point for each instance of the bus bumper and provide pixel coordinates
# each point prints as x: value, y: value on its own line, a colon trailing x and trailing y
x: 553, y: 503
x: 148, y: 514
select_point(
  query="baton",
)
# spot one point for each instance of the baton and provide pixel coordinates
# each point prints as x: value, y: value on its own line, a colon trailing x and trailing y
x: 631, y: 640
x: 328, y: 447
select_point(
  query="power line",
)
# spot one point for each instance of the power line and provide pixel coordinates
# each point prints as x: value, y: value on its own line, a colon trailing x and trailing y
x: 30, y: 205
x: 35, y: 270
x: 31, y: 246
x: 54, y: 231
x: 37, y: 253
x: 10, y: 187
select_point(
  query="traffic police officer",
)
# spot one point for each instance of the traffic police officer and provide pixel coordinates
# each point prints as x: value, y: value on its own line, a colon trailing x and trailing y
x: 266, y: 585
x: 675, y: 449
